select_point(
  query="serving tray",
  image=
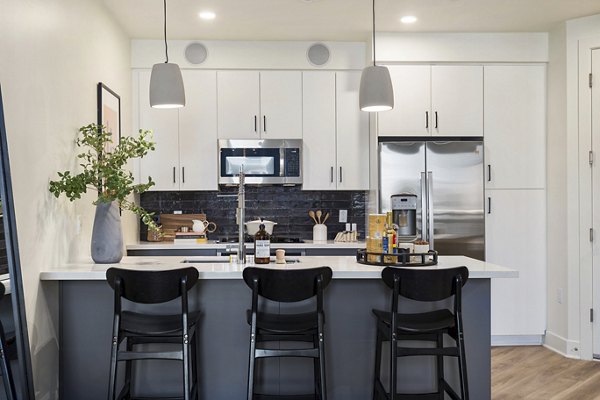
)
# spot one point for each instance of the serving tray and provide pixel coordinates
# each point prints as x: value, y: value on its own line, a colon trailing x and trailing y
x: 399, y: 259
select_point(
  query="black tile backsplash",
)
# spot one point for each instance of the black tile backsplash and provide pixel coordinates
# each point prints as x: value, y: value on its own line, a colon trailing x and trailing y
x: 286, y: 205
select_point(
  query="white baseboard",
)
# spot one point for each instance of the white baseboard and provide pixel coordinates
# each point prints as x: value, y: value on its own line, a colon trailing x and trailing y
x: 561, y: 345
x: 517, y: 340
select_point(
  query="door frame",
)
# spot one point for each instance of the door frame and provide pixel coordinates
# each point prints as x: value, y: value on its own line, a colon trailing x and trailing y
x: 586, y: 248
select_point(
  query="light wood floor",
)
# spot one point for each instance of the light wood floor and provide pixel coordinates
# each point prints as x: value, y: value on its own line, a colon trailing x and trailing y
x: 536, y: 373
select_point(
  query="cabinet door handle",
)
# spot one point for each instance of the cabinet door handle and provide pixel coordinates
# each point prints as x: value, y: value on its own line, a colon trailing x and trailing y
x: 340, y: 174
x: 426, y: 119
x: 183, y: 174
x: 489, y: 205
x: 436, y: 120
x: 264, y: 123
x: 331, y: 174
x: 489, y: 172
x: 255, y: 124
x: 173, y: 174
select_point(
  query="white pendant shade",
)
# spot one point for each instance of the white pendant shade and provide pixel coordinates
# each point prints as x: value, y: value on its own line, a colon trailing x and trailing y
x: 376, y: 91
x: 166, y: 86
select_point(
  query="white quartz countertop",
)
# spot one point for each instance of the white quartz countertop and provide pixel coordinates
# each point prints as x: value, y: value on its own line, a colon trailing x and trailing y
x: 344, y: 267
x: 212, y: 244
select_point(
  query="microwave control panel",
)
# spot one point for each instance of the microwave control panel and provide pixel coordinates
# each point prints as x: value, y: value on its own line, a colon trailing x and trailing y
x: 292, y: 162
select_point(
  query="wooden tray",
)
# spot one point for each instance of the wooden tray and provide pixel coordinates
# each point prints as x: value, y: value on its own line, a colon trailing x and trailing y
x: 398, y: 259
x: 171, y: 223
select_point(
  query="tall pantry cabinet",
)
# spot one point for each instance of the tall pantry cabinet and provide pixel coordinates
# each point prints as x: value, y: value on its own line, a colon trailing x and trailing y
x: 515, y: 128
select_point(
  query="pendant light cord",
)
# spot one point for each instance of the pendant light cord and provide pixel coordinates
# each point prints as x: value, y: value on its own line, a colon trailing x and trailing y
x: 165, y: 30
x: 374, y: 58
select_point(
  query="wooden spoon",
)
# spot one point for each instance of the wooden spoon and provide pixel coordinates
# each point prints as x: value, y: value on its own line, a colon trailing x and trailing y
x: 311, y: 213
x: 319, y: 213
x: 325, y: 219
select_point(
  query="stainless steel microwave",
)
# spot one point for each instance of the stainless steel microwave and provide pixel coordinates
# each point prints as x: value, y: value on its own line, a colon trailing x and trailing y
x: 268, y: 161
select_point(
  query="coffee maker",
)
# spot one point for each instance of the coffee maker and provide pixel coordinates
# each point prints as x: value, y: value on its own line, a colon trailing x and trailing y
x: 404, y: 213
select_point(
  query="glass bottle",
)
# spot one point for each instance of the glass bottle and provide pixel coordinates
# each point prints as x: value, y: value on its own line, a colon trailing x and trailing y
x: 262, y: 246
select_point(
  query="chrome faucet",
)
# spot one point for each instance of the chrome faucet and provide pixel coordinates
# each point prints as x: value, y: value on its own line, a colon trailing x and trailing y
x: 241, y: 216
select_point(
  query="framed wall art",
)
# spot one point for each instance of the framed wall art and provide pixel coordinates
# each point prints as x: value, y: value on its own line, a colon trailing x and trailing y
x: 109, y: 113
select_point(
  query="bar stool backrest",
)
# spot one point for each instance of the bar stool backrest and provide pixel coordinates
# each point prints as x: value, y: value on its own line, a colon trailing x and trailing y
x: 151, y: 287
x: 287, y: 285
x: 426, y: 284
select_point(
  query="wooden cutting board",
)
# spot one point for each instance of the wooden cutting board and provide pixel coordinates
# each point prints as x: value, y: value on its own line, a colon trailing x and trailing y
x: 171, y: 223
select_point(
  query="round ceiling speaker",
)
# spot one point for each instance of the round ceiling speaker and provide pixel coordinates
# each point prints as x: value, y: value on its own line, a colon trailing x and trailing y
x: 196, y: 53
x: 318, y: 54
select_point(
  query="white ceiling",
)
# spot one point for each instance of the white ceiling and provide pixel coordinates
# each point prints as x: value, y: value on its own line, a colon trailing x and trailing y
x: 344, y: 20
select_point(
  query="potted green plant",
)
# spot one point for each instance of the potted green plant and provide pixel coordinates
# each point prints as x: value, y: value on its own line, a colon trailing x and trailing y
x: 104, y: 171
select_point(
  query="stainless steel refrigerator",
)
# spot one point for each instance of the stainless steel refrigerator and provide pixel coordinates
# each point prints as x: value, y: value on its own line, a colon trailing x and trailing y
x: 447, y: 178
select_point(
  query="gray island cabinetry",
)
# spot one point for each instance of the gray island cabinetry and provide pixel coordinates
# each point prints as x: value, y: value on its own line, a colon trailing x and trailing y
x: 86, y: 304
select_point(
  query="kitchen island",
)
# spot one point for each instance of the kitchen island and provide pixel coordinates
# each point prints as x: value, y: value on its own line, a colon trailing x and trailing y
x: 222, y: 296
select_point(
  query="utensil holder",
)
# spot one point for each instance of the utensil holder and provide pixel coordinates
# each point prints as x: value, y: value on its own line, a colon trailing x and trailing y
x: 320, y: 233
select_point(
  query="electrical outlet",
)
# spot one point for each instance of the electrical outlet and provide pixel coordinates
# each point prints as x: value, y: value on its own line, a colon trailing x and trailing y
x: 559, y: 295
x: 343, y: 215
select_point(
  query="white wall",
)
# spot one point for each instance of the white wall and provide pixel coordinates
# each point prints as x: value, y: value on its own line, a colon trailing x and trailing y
x: 556, y: 176
x: 578, y: 205
x: 53, y: 53
x: 569, y: 251
x: 248, y: 54
x: 461, y: 47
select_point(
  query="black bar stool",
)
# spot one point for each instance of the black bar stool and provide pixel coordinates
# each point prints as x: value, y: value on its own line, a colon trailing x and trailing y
x: 423, y: 285
x: 153, y: 287
x: 7, y: 376
x: 288, y: 286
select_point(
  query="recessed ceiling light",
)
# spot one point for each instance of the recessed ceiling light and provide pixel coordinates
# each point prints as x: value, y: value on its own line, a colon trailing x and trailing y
x: 408, y: 19
x: 207, y: 15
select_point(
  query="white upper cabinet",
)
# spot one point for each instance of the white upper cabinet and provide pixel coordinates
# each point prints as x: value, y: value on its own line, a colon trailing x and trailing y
x: 319, y: 138
x: 352, y: 134
x: 238, y: 104
x: 254, y: 104
x: 515, y: 127
x: 198, y: 132
x: 186, y: 138
x: 162, y: 164
x: 281, y: 104
x: 457, y: 100
x: 336, y: 132
x: 412, y: 102
x: 439, y: 100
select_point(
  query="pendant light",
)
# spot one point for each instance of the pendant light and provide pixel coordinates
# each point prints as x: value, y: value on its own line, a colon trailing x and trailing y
x: 376, y: 91
x: 166, y: 83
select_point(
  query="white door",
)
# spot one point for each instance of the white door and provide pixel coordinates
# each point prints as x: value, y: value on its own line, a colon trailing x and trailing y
x: 281, y: 104
x: 515, y: 237
x: 198, y: 131
x: 457, y: 100
x: 162, y: 164
x: 411, y: 115
x: 595, y: 123
x: 352, y: 134
x: 238, y: 104
x: 515, y: 126
x: 318, y: 158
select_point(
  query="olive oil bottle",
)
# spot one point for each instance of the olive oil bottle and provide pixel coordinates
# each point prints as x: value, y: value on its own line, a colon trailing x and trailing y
x: 262, y: 246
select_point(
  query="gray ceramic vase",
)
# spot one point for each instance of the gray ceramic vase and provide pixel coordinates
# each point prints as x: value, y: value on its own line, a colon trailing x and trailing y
x: 107, y: 234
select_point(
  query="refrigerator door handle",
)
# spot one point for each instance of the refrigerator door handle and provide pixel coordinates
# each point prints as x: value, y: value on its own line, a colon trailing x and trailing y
x: 423, y: 207
x: 430, y: 208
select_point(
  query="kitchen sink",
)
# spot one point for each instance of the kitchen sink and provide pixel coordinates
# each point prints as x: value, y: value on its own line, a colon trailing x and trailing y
x: 203, y: 261
x: 213, y: 261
